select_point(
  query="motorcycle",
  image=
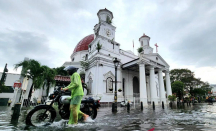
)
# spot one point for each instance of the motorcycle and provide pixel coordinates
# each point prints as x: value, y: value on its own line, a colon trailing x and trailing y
x: 43, y: 114
x: 124, y: 103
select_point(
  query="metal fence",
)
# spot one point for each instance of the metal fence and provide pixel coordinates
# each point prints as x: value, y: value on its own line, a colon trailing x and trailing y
x: 34, y: 102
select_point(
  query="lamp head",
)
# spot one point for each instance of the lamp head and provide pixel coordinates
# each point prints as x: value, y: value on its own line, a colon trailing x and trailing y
x: 116, y: 62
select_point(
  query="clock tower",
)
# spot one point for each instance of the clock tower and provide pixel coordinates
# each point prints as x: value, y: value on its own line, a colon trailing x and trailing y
x: 104, y: 35
x: 105, y: 28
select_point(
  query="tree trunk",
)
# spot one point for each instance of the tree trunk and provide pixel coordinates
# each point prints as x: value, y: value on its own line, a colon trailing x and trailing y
x: 47, y: 90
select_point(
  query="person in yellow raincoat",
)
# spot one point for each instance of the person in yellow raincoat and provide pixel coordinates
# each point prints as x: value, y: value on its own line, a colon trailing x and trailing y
x: 76, y: 95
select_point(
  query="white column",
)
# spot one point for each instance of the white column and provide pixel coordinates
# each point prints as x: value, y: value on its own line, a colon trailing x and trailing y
x: 168, y: 86
x: 148, y: 89
x: 143, y: 95
x: 161, y: 86
x: 153, y: 86
x: 14, y: 100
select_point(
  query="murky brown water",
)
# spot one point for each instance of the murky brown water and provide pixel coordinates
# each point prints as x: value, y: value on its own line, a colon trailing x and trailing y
x: 197, y: 117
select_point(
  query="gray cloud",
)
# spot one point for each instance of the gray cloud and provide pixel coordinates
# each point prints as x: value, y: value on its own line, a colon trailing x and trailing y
x: 49, y: 30
x: 15, y: 45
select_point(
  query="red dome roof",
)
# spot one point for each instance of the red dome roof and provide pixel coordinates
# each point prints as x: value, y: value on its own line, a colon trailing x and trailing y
x: 83, y: 44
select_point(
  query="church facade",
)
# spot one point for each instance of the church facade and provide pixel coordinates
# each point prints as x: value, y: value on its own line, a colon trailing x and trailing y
x: 137, y: 76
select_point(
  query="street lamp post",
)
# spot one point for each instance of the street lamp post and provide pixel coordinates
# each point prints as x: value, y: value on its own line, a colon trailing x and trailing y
x: 114, y: 105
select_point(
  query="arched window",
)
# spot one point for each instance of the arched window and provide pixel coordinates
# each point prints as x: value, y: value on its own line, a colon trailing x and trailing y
x: 109, y: 85
x: 89, y: 83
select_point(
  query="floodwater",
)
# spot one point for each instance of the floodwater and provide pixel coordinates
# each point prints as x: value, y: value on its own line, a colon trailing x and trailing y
x: 195, y: 117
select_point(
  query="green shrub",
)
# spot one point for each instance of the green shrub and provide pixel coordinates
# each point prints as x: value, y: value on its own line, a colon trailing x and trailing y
x: 140, y: 49
x: 171, y: 97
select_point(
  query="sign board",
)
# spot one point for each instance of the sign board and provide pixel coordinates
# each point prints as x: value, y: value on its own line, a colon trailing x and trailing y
x: 17, y: 85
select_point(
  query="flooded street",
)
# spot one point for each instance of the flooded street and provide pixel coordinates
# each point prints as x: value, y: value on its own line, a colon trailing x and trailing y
x: 197, y: 117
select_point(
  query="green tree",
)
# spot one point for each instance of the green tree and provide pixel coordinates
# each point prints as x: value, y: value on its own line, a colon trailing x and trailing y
x: 32, y: 70
x: 178, y: 88
x: 48, y: 77
x: 98, y: 46
x: 140, y: 49
x: 3, y: 87
x: 199, y: 91
x: 84, y: 64
x: 108, y: 20
x: 61, y: 71
x: 187, y: 77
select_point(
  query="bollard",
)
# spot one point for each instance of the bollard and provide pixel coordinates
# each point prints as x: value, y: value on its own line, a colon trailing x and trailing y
x: 113, y: 107
x: 177, y: 104
x: 134, y: 101
x: 128, y: 106
x: 141, y: 105
x: 171, y: 104
x: 162, y: 104
x: 16, y: 113
x: 153, y: 105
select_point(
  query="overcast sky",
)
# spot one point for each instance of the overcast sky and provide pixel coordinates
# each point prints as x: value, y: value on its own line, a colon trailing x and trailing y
x: 48, y: 31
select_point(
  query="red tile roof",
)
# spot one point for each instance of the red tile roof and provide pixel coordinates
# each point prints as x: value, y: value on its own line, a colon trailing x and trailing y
x: 83, y: 44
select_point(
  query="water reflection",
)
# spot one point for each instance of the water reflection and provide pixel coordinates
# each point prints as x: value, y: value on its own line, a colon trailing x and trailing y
x: 197, y: 117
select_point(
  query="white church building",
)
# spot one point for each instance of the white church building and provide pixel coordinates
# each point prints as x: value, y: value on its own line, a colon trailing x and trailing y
x: 138, y: 76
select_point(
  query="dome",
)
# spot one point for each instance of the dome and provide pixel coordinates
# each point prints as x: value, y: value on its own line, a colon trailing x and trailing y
x: 83, y: 44
x: 144, y: 36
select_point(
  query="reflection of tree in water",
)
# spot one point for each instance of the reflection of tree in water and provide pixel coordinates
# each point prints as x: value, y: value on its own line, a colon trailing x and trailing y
x: 109, y: 83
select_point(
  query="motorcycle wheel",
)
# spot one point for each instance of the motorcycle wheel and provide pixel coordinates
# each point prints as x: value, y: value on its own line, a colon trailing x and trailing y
x: 92, y: 112
x: 36, y: 117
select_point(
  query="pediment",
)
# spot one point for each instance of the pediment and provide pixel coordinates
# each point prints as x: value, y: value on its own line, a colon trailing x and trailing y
x: 109, y: 74
x: 90, y: 75
x: 157, y: 58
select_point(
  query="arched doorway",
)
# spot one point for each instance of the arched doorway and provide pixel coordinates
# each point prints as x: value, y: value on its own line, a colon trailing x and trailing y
x: 136, y: 91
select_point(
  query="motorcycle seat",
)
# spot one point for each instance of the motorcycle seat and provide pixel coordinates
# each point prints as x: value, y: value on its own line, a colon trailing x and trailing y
x: 87, y: 101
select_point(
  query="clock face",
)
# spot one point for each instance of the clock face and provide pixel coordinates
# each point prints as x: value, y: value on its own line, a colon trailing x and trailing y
x: 108, y: 32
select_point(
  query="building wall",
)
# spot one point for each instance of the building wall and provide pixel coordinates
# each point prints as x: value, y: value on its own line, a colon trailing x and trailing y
x: 11, y: 78
x: 78, y: 56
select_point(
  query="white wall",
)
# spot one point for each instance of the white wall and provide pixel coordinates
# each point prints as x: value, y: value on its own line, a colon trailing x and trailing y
x: 11, y: 78
x: 78, y: 56
x: 6, y: 95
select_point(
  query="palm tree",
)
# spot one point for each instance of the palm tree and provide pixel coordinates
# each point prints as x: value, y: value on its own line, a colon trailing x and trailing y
x: 32, y: 70
x: 48, y: 77
x: 61, y: 71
